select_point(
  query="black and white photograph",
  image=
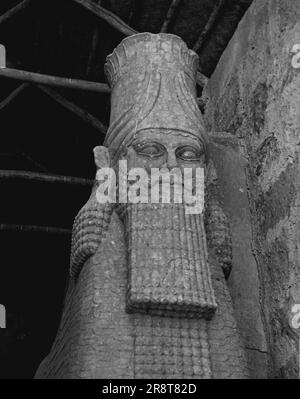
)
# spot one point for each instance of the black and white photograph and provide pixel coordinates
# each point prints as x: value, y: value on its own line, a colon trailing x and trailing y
x: 150, y: 193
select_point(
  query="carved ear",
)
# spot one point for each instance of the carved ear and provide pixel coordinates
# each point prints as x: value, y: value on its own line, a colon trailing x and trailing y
x: 101, y: 156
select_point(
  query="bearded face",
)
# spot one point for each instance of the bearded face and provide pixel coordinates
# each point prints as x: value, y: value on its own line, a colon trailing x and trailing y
x: 168, y: 271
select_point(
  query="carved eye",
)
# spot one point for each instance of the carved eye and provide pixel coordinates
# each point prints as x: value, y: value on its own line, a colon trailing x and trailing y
x: 151, y: 150
x: 188, y: 153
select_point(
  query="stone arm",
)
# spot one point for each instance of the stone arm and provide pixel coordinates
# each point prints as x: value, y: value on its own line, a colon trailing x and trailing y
x: 91, y: 223
x: 216, y: 224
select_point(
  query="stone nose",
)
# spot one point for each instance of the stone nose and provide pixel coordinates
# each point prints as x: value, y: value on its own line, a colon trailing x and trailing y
x: 171, y: 160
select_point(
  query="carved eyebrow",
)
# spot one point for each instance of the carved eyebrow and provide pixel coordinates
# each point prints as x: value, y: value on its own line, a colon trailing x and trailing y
x: 195, y: 144
x: 148, y: 141
x: 186, y: 138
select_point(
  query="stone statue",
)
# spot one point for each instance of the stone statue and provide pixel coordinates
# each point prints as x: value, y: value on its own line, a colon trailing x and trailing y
x: 147, y: 295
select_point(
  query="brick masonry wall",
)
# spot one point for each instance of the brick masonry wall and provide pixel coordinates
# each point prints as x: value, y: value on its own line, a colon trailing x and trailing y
x: 254, y: 95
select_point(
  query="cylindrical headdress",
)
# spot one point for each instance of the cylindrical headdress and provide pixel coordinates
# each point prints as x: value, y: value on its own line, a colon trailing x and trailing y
x: 153, y: 82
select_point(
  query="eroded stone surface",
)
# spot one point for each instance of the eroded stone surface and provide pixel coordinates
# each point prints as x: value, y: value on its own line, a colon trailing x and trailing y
x: 255, y: 95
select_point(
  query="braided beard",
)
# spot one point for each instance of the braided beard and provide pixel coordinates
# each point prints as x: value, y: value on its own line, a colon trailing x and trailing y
x: 168, y: 270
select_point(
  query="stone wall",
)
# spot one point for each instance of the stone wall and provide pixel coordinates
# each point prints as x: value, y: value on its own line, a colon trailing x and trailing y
x: 254, y: 95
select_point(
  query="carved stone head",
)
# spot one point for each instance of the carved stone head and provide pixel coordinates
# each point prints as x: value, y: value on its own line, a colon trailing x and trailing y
x: 153, y: 102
